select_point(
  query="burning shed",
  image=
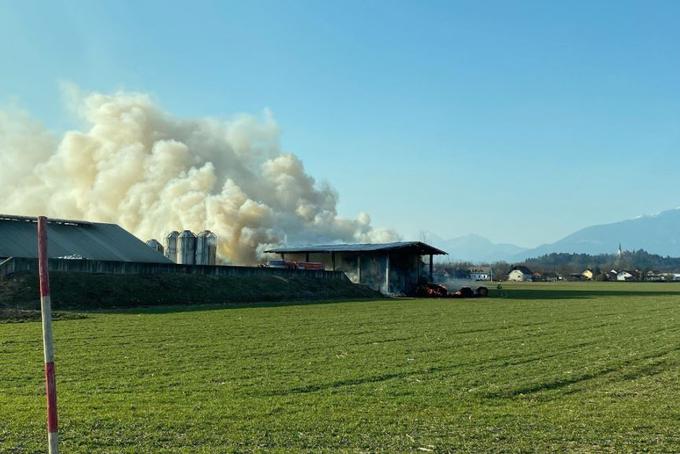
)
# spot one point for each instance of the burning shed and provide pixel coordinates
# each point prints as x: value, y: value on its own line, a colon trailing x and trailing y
x: 392, y: 268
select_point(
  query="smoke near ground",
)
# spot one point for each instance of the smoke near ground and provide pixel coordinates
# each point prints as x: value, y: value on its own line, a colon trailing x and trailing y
x: 150, y: 172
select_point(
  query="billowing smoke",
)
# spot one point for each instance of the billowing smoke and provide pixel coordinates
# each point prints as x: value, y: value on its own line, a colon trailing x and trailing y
x: 150, y: 172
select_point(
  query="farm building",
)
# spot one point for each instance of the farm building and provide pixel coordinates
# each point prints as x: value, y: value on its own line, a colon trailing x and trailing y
x: 550, y: 277
x: 392, y: 268
x: 93, y: 247
x: 74, y: 240
x: 520, y: 274
x: 625, y: 276
x: 480, y: 274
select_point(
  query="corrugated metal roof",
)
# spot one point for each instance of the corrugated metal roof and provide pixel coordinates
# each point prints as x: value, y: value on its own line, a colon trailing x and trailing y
x: 89, y: 240
x: 11, y: 217
x: 418, y: 246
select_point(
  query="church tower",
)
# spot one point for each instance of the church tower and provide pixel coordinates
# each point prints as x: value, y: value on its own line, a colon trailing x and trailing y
x: 619, y: 256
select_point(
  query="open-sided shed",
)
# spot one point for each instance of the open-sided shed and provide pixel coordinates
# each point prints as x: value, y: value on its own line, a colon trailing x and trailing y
x: 392, y: 268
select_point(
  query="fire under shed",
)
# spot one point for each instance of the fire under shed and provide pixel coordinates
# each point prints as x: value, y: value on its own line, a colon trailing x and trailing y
x: 392, y: 268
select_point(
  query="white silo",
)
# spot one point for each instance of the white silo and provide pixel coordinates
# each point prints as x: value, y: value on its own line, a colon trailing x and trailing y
x: 171, y: 245
x: 155, y: 245
x: 186, y: 248
x: 206, y: 248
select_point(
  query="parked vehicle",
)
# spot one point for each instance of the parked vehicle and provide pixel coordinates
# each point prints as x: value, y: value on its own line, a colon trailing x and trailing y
x: 457, y: 288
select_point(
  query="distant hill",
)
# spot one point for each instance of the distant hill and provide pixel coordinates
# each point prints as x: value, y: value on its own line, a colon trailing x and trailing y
x: 657, y: 234
x: 474, y: 248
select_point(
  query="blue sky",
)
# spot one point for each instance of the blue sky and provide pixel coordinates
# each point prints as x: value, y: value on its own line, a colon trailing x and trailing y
x: 519, y: 121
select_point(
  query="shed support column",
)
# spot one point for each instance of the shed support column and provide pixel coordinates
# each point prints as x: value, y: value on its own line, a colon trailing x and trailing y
x: 333, y: 260
x: 358, y: 269
x: 283, y: 256
x: 431, y: 268
x: 387, y: 274
x: 307, y: 257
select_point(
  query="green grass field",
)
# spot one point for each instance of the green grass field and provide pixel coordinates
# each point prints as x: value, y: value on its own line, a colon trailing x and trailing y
x: 542, y: 367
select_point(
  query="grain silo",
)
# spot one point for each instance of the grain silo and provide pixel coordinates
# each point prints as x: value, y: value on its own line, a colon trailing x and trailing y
x: 155, y: 245
x: 206, y: 248
x: 186, y: 248
x: 171, y: 245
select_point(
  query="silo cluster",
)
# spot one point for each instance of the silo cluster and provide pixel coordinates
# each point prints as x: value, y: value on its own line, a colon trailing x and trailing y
x: 189, y: 249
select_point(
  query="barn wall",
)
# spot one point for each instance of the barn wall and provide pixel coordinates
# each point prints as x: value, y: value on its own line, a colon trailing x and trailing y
x: 405, y: 270
x: 373, y: 272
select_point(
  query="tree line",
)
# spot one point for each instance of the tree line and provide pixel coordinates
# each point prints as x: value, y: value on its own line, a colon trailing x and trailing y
x: 566, y: 264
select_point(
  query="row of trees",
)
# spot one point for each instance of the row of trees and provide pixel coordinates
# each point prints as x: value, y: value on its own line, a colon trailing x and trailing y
x: 566, y: 264
x: 602, y: 263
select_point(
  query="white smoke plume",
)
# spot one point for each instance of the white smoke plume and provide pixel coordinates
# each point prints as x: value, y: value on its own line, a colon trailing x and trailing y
x: 150, y: 172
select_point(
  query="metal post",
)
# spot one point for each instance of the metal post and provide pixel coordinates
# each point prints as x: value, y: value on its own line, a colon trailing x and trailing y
x: 48, y: 344
x: 387, y: 273
x: 431, y: 268
x: 359, y: 269
x: 333, y: 259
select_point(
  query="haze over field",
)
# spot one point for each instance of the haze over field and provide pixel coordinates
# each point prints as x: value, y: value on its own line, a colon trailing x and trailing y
x: 138, y: 166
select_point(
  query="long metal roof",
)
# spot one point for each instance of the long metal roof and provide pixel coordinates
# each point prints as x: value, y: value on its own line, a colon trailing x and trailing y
x: 89, y: 240
x: 416, y: 246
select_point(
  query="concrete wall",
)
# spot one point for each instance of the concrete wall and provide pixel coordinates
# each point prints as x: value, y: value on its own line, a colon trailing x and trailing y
x: 14, y: 265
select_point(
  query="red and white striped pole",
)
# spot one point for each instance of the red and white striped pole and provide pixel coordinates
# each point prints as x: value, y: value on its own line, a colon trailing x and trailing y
x: 48, y: 345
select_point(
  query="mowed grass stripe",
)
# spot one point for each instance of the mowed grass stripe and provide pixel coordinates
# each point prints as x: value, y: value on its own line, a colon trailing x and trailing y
x: 550, y: 367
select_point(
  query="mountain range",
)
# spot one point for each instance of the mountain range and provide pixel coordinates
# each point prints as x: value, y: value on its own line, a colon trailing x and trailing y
x: 656, y: 234
x: 475, y: 248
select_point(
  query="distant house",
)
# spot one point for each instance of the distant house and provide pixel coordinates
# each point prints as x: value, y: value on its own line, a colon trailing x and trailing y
x: 480, y: 274
x: 653, y: 276
x: 520, y: 274
x: 551, y: 277
x: 546, y: 277
x: 625, y: 276
x: 588, y: 274
x: 612, y: 275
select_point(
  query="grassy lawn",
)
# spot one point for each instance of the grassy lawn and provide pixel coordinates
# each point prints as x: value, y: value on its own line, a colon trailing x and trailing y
x: 539, y: 367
